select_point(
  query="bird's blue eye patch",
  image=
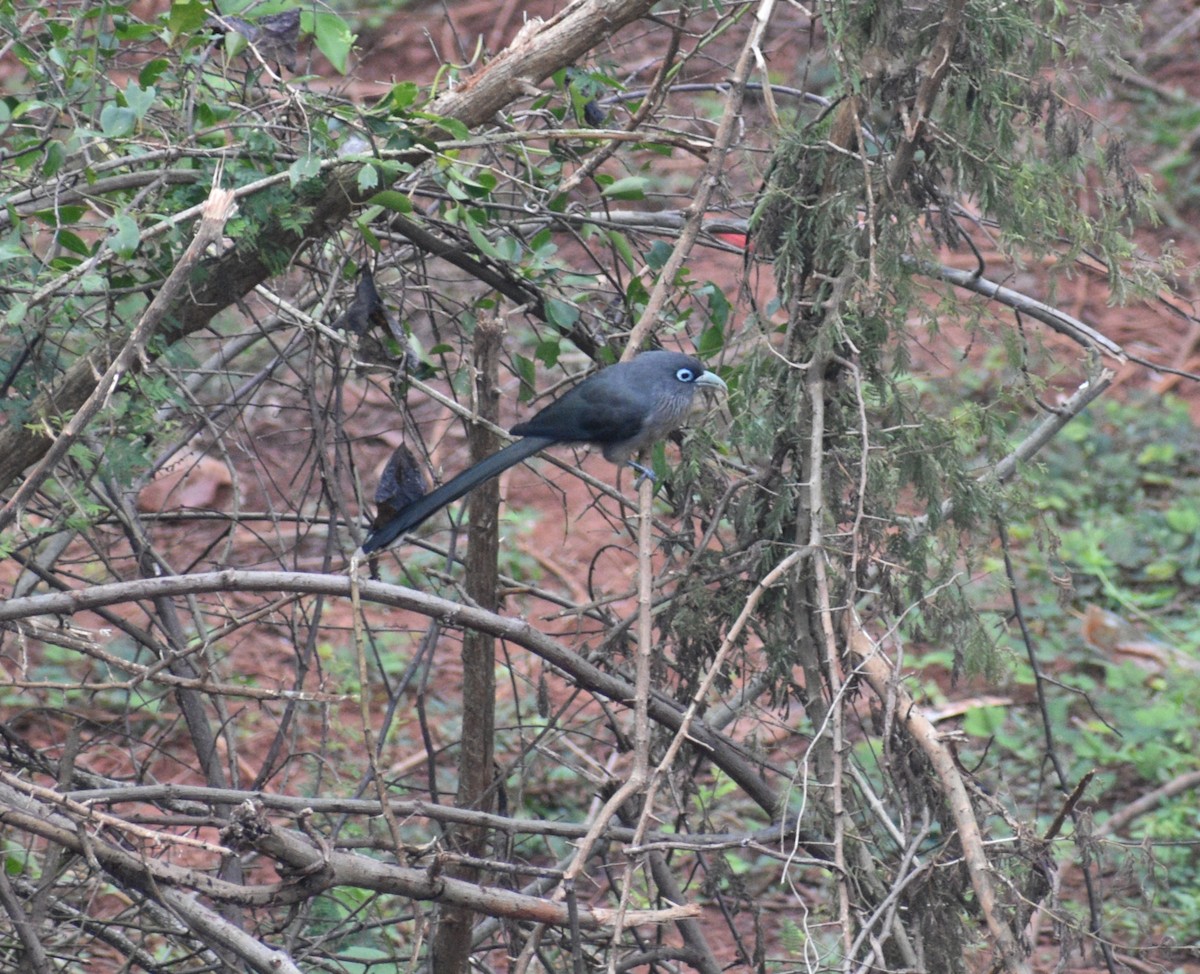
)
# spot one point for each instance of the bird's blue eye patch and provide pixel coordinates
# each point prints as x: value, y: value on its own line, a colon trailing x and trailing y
x: 685, y: 375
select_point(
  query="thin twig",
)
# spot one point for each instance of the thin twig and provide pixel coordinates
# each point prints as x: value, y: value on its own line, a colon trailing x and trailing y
x: 35, y: 958
x: 878, y: 673
x: 217, y: 209
x: 704, y: 186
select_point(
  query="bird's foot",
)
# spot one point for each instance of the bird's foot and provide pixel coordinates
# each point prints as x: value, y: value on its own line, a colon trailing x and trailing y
x: 644, y: 473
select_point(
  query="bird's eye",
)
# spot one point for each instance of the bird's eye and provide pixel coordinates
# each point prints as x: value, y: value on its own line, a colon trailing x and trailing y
x: 685, y: 375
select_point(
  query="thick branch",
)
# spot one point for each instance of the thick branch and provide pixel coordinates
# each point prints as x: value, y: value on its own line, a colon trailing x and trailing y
x: 879, y: 674
x: 722, y: 751
x: 536, y: 53
x: 318, y: 869
x: 535, y: 56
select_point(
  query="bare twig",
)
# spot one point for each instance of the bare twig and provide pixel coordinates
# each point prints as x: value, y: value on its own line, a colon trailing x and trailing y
x: 721, y: 750
x: 704, y: 187
x: 635, y: 783
x: 1122, y: 819
x: 35, y: 958
x: 875, y: 668
x: 216, y: 211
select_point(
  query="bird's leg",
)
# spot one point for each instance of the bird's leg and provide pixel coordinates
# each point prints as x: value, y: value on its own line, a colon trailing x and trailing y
x: 644, y: 473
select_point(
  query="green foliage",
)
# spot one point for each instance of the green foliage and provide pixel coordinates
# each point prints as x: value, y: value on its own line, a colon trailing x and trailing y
x: 1088, y: 484
x: 1124, y: 703
x: 67, y: 125
x: 809, y: 219
x: 859, y: 461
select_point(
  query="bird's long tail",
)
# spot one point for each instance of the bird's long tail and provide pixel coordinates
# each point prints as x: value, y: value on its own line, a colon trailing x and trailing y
x: 416, y: 512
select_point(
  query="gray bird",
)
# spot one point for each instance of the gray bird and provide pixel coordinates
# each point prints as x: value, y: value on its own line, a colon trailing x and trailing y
x: 621, y: 409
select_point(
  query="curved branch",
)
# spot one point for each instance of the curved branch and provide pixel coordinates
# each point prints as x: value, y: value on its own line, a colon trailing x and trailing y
x: 536, y: 54
x: 318, y: 869
x: 1060, y: 321
x: 309, y: 870
x: 722, y: 751
x: 879, y: 675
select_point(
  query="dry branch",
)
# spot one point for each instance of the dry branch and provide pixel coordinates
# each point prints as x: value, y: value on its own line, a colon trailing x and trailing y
x: 873, y: 665
x: 556, y: 44
x: 720, y: 749
x: 316, y: 869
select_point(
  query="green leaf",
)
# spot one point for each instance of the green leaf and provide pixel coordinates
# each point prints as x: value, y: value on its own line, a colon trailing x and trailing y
x: 548, y: 352
x: 139, y: 99
x: 478, y: 237
x: 658, y: 463
x: 369, y: 238
x: 16, y: 314
x: 401, y: 98
x: 629, y: 188
x: 1157, y: 453
x: 983, y: 721
x: 235, y: 43
x: 187, y: 16
x: 153, y: 71
x: 392, y: 200
x: 561, y: 314
x: 718, y: 305
x: 128, y: 29
x: 712, y: 340
x: 1162, y: 570
x: 24, y: 108
x: 456, y: 128
x: 11, y: 248
x: 473, y: 188
x: 527, y: 373
x: 658, y: 255
x: 620, y: 243
x: 509, y: 249
x: 116, y: 121
x: 334, y: 38
x: 636, y: 295
x: 61, y: 216
x: 125, y: 238
x: 542, y: 244
x: 72, y: 242
x: 306, y: 167
x: 368, y: 178
x: 55, y: 155
x: 1184, y: 519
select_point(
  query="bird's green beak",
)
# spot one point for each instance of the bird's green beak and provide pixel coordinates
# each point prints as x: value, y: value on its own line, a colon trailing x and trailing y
x: 710, y: 380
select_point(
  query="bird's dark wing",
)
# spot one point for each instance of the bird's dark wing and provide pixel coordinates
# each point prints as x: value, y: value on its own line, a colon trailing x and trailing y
x: 605, y: 408
x: 366, y: 309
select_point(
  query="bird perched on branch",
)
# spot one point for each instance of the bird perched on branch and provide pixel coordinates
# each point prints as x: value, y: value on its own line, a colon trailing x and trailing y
x: 622, y: 409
